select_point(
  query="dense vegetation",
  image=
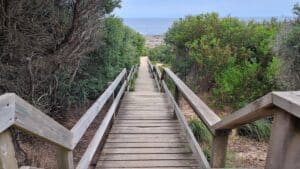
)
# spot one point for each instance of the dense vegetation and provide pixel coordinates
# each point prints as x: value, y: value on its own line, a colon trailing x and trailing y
x: 225, y: 56
x: 55, y: 53
x: 118, y: 47
x: 235, y: 62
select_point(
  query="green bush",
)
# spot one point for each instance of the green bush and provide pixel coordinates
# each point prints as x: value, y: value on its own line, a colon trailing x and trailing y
x: 229, y: 58
x: 162, y: 54
x: 287, y: 47
x: 119, y: 47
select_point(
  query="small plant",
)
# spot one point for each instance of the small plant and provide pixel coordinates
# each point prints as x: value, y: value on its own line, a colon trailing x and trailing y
x: 203, y: 136
x: 259, y: 130
x: 200, y: 131
x: 132, y: 82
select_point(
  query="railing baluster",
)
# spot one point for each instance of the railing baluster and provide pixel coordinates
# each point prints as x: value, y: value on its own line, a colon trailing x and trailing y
x: 7, y: 152
x: 219, y: 148
x: 64, y: 158
x: 282, y: 130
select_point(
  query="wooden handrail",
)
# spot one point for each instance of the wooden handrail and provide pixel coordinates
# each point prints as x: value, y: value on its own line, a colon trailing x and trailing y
x: 14, y: 111
x: 82, y: 125
x: 17, y: 112
x: 203, y: 111
x: 285, y: 106
x: 98, y: 138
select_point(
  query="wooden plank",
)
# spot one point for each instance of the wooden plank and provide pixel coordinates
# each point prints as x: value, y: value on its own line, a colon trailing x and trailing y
x: 145, y: 131
x: 260, y: 108
x: 146, y: 140
x: 148, y: 128
x: 35, y: 122
x: 288, y: 101
x: 119, y: 121
x: 82, y: 125
x: 282, y: 129
x: 293, y: 151
x: 64, y: 158
x: 192, y: 167
x: 7, y: 111
x: 7, y: 152
x: 145, y: 150
x: 131, y: 157
x: 200, y: 157
x: 145, y: 145
x: 91, y: 150
x: 146, y: 125
x: 148, y: 163
x: 151, y: 136
x: 201, y: 109
x: 144, y: 118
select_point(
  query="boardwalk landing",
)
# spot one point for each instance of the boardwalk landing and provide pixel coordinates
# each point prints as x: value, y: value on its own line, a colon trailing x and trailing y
x: 145, y: 133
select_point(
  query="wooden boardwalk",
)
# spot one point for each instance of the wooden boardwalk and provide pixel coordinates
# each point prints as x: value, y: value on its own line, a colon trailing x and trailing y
x: 145, y: 133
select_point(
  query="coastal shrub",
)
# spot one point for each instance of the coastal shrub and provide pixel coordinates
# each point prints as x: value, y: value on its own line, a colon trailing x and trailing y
x: 229, y: 58
x: 287, y: 47
x: 161, y: 54
x: 119, y: 47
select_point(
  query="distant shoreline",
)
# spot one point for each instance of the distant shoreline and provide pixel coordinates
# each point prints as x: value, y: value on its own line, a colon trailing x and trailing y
x: 159, y: 26
x: 153, y: 41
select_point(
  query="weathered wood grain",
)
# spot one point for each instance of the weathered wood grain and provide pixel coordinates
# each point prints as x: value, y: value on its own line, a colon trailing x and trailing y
x: 260, y: 108
x: 219, y: 149
x: 131, y: 157
x: 64, y: 158
x: 7, y: 111
x: 152, y: 163
x: 282, y: 130
x: 7, y: 152
x: 288, y: 101
x: 35, y: 122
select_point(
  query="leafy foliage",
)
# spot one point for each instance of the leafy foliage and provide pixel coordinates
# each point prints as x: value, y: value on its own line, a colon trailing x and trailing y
x: 287, y: 47
x: 231, y: 59
x: 118, y: 48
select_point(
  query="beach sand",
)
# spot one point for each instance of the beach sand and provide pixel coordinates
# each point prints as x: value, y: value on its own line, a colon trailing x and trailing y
x: 154, y: 40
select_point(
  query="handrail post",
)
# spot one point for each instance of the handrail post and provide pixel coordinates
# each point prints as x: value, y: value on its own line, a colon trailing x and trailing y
x: 64, y: 158
x: 284, y: 148
x: 219, y: 148
x: 7, y: 152
x: 163, y: 73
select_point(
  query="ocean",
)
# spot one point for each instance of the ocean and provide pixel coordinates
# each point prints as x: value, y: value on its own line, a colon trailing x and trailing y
x: 159, y: 26
x: 150, y: 26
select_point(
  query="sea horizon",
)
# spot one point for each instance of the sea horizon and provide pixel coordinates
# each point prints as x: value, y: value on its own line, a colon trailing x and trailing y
x: 159, y: 26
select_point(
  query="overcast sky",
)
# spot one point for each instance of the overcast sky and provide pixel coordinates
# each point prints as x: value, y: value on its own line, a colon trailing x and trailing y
x: 181, y: 8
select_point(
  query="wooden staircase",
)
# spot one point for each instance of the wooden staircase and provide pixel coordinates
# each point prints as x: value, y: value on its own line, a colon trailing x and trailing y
x: 147, y: 129
x: 145, y: 132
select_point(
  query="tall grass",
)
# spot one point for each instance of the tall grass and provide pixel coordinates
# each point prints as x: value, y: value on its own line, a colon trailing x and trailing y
x: 202, y: 135
x: 259, y: 130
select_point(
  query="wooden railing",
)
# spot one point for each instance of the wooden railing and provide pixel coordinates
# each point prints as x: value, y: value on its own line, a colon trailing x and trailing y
x: 284, y: 149
x: 14, y: 111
